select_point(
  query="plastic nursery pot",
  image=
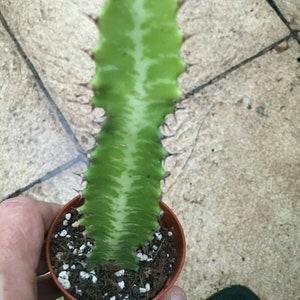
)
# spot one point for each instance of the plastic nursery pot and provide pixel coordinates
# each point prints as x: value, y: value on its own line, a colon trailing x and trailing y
x: 169, y: 219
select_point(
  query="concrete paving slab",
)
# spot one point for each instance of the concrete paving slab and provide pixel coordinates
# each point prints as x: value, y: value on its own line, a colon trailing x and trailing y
x: 224, y: 33
x: 32, y: 140
x: 290, y: 10
x: 235, y: 180
x: 60, y: 188
x: 54, y: 36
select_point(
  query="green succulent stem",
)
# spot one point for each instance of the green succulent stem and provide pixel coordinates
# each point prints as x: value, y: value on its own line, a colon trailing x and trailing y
x: 137, y: 66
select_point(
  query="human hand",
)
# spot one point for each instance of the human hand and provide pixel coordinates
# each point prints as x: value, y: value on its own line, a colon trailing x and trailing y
x: 175, y: 293
x: 23, y: 224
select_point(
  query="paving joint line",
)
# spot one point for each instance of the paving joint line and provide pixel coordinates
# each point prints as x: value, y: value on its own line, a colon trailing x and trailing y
x: 294, y: 33
x: 222, y: 75
x: 41, y: 85
x: 65, y: 124
x: 58, y: 170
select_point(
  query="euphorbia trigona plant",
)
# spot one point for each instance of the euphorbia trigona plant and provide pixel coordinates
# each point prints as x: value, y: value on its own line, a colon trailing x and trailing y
x: 137, y: 66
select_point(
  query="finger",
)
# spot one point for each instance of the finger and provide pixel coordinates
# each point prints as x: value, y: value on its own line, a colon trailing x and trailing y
x: 47, y: 211
x: 175, y: 293
x: 23, y: 224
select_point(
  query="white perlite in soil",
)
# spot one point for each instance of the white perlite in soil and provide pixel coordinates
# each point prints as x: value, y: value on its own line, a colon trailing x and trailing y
x: 69, y: 251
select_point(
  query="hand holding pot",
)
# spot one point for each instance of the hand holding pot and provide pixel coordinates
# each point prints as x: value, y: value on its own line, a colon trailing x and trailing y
x: 23, y: 224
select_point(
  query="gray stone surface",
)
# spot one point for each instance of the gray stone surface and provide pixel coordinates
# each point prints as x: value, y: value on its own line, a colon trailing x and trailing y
x: 235, y: 177
x: 221, y: 34
x: 32, y: 140
x: 55, y: 35
x: 60, y: 188
x: 290, y: 10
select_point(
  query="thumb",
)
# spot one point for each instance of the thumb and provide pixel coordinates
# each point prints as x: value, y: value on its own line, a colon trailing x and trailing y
x: 175, y: 293
x: 23, y: 224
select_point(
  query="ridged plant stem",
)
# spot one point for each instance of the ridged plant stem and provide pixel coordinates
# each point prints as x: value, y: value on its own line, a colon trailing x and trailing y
x: 137, y: 66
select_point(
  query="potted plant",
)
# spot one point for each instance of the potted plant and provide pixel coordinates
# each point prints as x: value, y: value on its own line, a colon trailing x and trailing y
x: 128, y: 239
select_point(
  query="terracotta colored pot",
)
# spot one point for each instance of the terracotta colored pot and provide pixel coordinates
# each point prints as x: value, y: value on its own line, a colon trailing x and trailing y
x: 170, y: 221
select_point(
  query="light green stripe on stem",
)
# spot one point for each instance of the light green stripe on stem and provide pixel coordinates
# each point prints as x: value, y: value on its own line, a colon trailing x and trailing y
x: 137, y: 65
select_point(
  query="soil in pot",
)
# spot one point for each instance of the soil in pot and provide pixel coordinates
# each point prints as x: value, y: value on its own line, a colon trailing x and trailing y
x: 69, y: 250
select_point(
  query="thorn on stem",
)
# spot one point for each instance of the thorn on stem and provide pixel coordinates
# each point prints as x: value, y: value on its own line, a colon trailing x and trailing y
x: 188, y: 66
x: 187, y: 36
x: 169, y: 155
x: 88, y: 85
x: 82, y: 180
x: 166, y: 156
x: 174, y: 114
x: 93, y: 106
x: 164, y: 137
x: 78, y: 174
x: 180, y: 3
x: 166, y: 175
x: 77, y: 191
x: 165, y: 125
x: 90, y: 53
x: 94, y: 18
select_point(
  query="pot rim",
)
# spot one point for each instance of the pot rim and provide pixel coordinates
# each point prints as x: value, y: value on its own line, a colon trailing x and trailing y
x: 167, y: 217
